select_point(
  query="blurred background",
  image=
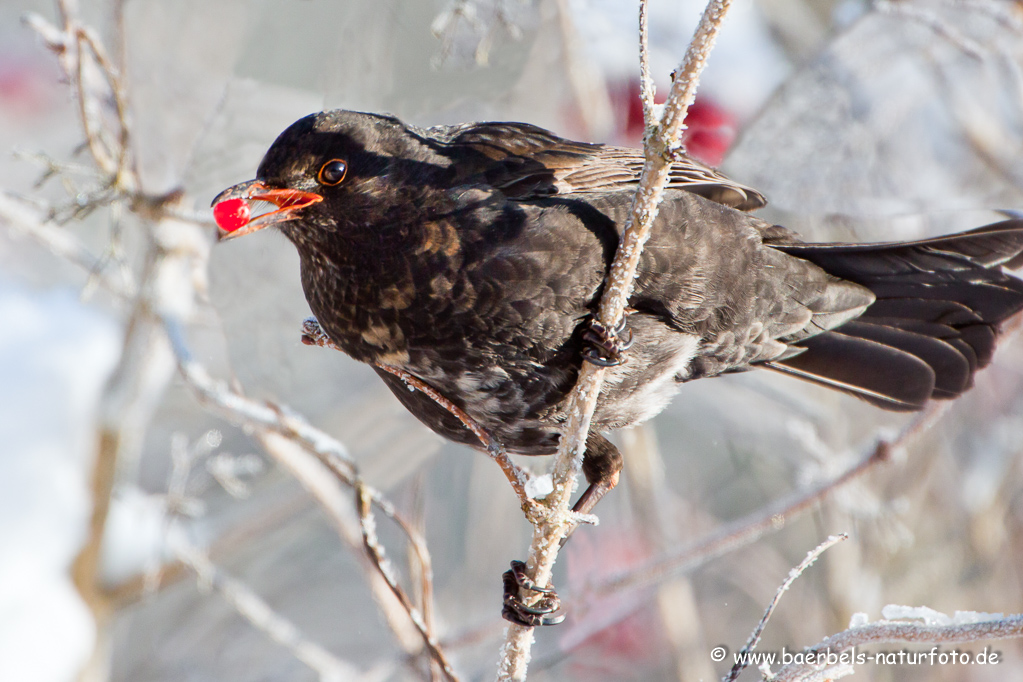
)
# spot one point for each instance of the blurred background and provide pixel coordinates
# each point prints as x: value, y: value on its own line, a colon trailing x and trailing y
x: 857, y: 120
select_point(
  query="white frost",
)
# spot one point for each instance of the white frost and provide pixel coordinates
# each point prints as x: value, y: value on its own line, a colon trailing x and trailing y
x: 539, y: 487
x: 971, y: 617
x: 858, y: 620
x: 928, y: 615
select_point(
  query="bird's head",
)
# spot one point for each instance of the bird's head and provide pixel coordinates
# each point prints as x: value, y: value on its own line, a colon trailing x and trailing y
x: 329, y: 171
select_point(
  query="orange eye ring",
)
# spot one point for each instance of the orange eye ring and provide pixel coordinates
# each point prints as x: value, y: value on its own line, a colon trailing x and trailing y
x: 332, y: 172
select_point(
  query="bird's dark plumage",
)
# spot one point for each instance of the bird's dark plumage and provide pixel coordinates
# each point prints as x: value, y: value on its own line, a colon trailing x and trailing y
x: 473, y: 256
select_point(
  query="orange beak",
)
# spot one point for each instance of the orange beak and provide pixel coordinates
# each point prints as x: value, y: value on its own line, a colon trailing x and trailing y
x: 288, y: 202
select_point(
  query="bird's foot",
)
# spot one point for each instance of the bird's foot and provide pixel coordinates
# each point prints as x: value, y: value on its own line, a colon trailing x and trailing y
x: 313, y: 334
x: 543, y: 612
x: 605, y: 346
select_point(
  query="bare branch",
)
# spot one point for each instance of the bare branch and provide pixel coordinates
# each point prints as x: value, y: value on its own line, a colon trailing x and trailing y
x: 326, y: 488
x: 276, y: 420
x: 250, y: 606
x: 119, y: 166
x: 933, y: 22
x: 367, y: 524
x: 86, y: 64
x: 31, y: 222
x: 754, y: 638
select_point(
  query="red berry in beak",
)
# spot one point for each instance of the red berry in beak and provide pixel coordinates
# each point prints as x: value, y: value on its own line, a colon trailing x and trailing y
x: 232, y: 214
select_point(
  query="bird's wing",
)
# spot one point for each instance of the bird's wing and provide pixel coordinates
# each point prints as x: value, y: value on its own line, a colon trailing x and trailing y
x: 526, y: 162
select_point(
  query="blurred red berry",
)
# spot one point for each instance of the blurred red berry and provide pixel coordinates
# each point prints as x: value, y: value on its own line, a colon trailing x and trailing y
x: 710, y: 131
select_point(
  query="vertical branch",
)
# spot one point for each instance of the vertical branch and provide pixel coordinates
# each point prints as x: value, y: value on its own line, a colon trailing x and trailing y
x: 647, y: 89
x: 133, y: 395
x: 421, y: 570
x: 367, y: 523
x: 146, y: 365
x: 662, y: 141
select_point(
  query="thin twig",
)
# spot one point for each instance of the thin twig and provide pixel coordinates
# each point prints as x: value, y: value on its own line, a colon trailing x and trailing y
x: 420, y: 572
x: 330, y: 452
x: 246, y: 411
x: 661, y: 143
x: 754, y: 638
x: 751, y: 528
x: 1005, y: 15
x: 71, y: 43
x: 313, y: 335
x: 261, y: 615
x: 109, y: 71
x: 326, y: 489
x: 512, y: 471
x: 934, y: 22
x: 375, y: 550
x: 28, y: 221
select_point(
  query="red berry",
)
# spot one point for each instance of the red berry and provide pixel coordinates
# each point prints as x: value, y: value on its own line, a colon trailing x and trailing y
x: 231, y: 214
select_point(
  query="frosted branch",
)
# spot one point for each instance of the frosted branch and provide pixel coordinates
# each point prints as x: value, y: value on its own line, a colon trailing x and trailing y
x: 754, y: 638
x: 661, y: 141
x: 881, y: 632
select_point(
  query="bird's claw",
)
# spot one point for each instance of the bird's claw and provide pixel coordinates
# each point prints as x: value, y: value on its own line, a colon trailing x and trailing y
x: 313, y: 334
x: 605, y: 347
x: 515, y: 610
x: 518, y: 571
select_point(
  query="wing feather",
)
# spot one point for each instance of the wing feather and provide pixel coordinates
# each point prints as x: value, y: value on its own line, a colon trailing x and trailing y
x: 527, y: 162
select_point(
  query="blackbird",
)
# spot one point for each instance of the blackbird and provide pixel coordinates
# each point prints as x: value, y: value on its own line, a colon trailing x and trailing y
x: 473, y: 258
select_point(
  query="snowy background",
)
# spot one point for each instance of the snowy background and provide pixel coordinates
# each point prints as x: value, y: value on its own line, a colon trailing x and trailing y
x: 857, y: 121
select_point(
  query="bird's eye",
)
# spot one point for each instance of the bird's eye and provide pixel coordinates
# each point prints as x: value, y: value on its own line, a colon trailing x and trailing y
x: 333, y: 172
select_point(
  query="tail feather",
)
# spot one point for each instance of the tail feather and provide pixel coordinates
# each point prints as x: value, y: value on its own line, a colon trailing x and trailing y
x: 884, y: 376
x: 982, y: 339
x: 944, y: 332
x: 935, y: 321
x: 951, y: 368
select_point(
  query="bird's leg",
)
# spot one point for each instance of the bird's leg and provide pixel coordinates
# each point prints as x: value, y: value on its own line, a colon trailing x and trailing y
x: 605, y: 346
x: 313, y: 334
x: 602, y: 465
